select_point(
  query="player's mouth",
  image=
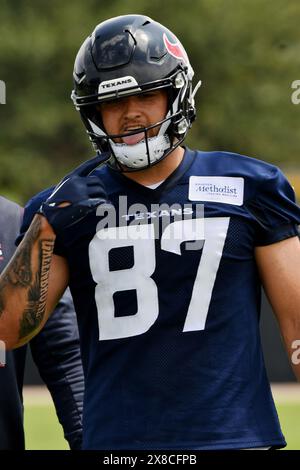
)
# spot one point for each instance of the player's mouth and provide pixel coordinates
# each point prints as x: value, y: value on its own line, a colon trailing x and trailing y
x: 134, y: 138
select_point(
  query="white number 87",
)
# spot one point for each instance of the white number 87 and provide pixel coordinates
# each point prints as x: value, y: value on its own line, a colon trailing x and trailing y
x: 141, y: 237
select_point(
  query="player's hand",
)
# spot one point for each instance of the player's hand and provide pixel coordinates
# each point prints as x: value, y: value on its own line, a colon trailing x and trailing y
x: 78, y: 194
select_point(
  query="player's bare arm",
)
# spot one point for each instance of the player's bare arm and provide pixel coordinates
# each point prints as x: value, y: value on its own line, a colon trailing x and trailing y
x: 24, y: 286
x: 279, y: 266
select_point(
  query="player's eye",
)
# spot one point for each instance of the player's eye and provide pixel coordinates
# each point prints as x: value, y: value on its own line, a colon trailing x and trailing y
x: 149, y: 95
x: 110, y: 103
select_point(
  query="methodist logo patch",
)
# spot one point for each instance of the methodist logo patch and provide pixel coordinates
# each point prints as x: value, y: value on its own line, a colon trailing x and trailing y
x: 224, y: 189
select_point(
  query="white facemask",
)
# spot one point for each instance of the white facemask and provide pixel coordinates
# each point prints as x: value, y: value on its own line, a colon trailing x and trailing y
x: 136, y: 156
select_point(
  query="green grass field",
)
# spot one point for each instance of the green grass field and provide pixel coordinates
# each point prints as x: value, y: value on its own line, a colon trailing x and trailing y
x: 289, y: 415
x: 42, y: 429
x: 43, y: 432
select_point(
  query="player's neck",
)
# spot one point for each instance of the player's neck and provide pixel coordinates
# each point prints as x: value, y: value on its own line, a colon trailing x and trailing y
x: 158, y: 172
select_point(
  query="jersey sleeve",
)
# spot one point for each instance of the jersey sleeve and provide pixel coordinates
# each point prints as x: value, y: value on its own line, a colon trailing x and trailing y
x: 56, y: 352
x: 274, y: 209
x: 30, y: 210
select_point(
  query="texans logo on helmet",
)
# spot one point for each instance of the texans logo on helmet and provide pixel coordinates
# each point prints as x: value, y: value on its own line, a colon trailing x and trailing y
x: 175, y: 49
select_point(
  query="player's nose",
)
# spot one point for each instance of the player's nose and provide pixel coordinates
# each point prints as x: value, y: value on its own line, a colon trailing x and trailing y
x: 133, y: 108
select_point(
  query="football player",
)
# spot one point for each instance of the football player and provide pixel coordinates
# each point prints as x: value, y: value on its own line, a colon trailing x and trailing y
x: 167, y: 291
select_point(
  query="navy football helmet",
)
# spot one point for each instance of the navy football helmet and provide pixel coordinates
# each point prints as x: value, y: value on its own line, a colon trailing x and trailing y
x: 130, y: 55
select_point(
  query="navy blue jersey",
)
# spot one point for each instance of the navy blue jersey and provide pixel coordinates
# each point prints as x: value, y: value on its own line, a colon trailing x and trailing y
x: 169, y: 323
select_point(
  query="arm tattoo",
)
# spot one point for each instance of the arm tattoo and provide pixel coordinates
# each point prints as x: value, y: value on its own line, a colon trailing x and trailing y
x: 20, y: 274
x: 28, y: 321
x: 37, y: 294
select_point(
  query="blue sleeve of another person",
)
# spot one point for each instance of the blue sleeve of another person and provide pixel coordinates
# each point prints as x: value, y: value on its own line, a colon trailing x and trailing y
x: 56, y: 353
